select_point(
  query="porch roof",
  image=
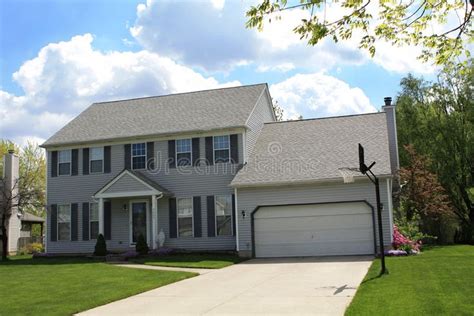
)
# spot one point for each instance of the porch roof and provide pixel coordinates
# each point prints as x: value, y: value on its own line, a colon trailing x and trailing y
x: 130, y: 183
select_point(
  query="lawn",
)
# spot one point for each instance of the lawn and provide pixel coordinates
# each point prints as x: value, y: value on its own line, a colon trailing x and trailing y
x: 203, y: 261
x: 440, y: 281
x: 63, y: 286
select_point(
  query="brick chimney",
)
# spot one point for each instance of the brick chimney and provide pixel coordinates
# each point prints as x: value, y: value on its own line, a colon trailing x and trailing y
x: 389, y: 109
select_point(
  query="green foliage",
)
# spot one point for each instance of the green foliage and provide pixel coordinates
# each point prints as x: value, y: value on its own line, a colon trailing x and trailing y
x: 438, y: 120
x: 398, y: 23
x: 411, y: 228
x: 141, y: 247
x: 100, y: 246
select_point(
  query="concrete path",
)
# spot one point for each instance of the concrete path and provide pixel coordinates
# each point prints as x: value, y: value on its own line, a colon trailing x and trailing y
x: 302, y: 286
x: 148, y: 267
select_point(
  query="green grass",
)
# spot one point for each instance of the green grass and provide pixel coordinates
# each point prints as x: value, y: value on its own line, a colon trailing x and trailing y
x: 63, y: 286
x: 440, y: 281
x: 203, y: 261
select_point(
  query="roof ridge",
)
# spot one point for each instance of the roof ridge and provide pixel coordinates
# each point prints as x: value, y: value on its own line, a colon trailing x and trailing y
x: 325, y: 118
x: 181, y: 93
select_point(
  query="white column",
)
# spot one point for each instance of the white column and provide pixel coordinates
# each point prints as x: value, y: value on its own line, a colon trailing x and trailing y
x: 154, y: 221
x: 101, y: 216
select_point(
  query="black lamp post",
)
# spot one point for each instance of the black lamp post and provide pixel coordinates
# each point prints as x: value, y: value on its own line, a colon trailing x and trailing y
x: 373, y: 178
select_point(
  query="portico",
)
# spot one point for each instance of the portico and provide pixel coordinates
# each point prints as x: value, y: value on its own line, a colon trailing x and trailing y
x: 140, y: 197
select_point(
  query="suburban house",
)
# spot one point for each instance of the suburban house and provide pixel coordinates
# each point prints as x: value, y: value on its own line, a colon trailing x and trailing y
x: 19, y: 225
x: 213, y: 171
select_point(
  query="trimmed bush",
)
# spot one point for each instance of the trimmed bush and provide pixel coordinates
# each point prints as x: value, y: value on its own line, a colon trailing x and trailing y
x: 141, y: 247
x: 100, y: 246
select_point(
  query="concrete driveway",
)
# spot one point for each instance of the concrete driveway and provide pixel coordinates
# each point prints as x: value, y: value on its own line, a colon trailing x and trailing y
x: 322, y: 286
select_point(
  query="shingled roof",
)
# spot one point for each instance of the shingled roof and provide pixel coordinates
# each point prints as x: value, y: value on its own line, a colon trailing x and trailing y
x: 161, y: 115
x: 313, y: 150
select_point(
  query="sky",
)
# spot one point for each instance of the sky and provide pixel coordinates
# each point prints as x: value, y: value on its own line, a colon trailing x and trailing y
x: 58, y: 57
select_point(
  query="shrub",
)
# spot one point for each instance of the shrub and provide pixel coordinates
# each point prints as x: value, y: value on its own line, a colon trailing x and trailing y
x: 35, y: 247
x: 163, y: 251
x: 141, y: 247
x: 100, y: 246
x: 401, y: 242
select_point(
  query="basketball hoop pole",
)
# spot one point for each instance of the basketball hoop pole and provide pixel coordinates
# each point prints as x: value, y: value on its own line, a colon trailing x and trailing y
x: 373, y: 178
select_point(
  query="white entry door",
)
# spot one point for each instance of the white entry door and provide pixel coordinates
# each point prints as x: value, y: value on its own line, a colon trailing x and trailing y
x: 314, y: 230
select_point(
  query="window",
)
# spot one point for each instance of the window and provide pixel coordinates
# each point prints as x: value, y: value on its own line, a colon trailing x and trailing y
x: 139, y: 156
x: 183, y: 152
x: 64, y: 222
x: 224, y: 215
x: 221, y: 149
x: 185, y: 217
x: 93, y: 220
x: 64, y: 162
x: 97, y: 160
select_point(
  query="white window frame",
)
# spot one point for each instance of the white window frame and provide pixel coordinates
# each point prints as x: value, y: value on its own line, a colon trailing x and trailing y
x: 57, y: 223
x: 214, y: 149
x: 231, y: 215
x: 90, y: 221
x: 90, y: 160
x: 70, y: 162
x: 177, y: 216
x: 183, y: 152
x: 132, y: 155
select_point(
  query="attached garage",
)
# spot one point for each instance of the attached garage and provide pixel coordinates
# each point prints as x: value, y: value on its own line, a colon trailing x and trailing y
x: 327, y: 229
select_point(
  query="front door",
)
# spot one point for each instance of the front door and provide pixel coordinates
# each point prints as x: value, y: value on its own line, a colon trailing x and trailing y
x: 138, y: 221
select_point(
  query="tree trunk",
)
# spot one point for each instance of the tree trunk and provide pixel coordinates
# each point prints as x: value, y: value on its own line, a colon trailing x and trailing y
x: 4, y: 243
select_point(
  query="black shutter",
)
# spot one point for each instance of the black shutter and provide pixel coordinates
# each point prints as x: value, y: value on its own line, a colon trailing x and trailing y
x: 54, y: 222
x: 107, y: 220
x: 150, y: 155
x: 209, y: 150
x: 172, y: 153
x: 173, y: 218
x: 197, y: 216
x: 211, y: 217
x: 74, y: 222
x: 54, y: 164
x: 196, y: 151
x: 128, y: 156
x: 85, y: 221
x: 234, y: 148
x: 85, y: 161
x: 234, y: 215
x: 107, y: 159
x: 75, y: 162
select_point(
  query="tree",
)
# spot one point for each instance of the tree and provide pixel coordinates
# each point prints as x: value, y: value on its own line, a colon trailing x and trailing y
x: 278, y: 110
x: 408, y: 22
x: 438, y: 120
x: 27, y: 192
x: 141, y: 247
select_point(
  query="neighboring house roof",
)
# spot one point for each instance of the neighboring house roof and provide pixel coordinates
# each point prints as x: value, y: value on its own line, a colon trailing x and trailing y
x: 28, y: 217
x: 162, y: 115
x: 315, y: 150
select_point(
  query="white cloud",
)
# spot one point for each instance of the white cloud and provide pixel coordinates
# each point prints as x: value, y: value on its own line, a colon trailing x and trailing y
x: 218, y: 4
x: 319, y: 95
x: 68, y: 76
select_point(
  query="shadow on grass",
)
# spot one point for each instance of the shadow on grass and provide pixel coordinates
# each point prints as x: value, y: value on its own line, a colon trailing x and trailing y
x: 48, y: 261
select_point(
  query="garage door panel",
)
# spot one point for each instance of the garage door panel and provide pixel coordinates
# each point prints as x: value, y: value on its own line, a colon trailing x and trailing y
x: 312, y: 230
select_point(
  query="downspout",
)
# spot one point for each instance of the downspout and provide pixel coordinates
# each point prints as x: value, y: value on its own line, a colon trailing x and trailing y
x: 237, y: 244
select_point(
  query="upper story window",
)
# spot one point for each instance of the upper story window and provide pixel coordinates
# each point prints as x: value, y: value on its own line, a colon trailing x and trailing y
x: 139, y: 156
x: 221, y: 149
x: 185, y: 217
x: 223, y: 215
x: 64, y: 162
x: 183, y: 152
x: 94, y: 220
x: 97, y: 159
x: 64, y: 222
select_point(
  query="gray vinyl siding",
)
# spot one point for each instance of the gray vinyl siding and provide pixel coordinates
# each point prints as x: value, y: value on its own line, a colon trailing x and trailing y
x: 261, y: 114
x: 392, y: 138
x: 182, y: 182
x: 126, y: 184
x: 250, y: 198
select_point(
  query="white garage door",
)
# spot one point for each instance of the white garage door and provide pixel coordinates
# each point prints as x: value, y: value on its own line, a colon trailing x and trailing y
x: 314, y: 230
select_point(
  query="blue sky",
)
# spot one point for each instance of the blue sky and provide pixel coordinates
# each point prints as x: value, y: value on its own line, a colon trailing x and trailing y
x: 57, y: 57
